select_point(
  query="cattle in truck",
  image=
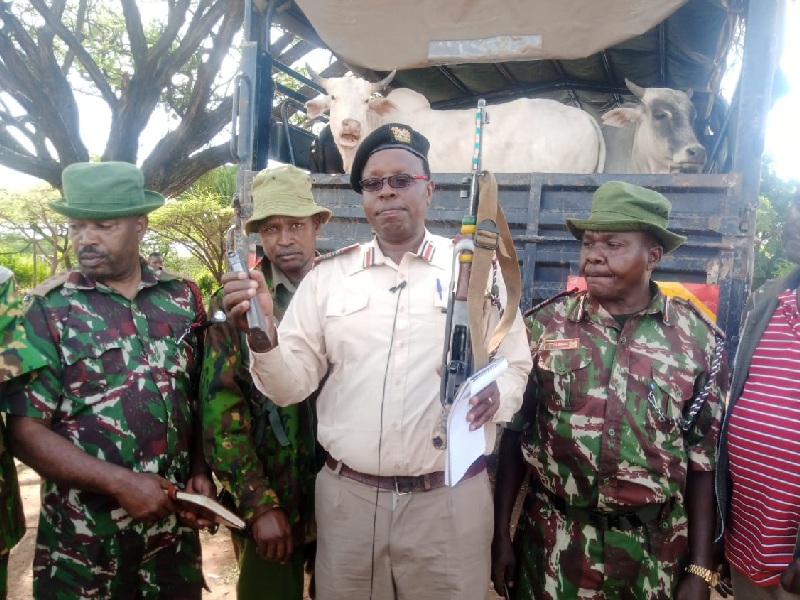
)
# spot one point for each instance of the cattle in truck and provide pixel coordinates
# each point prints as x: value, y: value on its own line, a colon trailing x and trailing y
x: 654, y: 136
x: 524, y: 135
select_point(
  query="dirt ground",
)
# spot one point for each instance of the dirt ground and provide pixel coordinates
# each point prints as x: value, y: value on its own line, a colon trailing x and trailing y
x: 219, y: 564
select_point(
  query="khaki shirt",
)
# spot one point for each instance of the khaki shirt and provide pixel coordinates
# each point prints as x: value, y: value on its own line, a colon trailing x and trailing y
x: 378, y: 409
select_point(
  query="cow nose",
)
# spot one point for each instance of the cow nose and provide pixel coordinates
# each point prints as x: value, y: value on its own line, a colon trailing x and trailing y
x: 696, y: 153
x: 352, y: 125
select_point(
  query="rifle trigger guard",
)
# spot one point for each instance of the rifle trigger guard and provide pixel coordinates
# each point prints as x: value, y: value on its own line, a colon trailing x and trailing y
x: 487, y: 235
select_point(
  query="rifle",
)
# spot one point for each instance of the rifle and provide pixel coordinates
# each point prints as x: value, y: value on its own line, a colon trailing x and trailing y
x: 484, y: 236
x: 457, y: 355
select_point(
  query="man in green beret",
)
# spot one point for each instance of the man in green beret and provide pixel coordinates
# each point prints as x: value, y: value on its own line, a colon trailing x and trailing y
x: 618, y: 426
x: 109, y: 423
x: 16, y: 358
x: 264, y: 455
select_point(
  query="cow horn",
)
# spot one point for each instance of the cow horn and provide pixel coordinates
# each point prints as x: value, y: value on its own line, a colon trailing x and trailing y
x: 637, y: 91
x: 321, y: 81
x: 377, y: 87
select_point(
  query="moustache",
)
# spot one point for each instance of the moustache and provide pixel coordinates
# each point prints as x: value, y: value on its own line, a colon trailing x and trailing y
x: 90, y: 253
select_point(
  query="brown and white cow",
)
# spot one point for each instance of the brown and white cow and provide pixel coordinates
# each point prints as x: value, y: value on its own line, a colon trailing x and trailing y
x: 655, y: 136
x: 524, y: 135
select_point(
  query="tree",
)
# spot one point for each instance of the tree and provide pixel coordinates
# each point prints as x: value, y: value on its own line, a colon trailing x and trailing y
x: 50, y: 49
x: 29, y: 225
x: 773, y: 202
x: 199, y: 219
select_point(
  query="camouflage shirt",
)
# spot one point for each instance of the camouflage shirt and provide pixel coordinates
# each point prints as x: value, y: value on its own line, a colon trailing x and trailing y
x: 262, y: 454
x: 597, y: 439
x: 16, y: 358
x: 118, y: 385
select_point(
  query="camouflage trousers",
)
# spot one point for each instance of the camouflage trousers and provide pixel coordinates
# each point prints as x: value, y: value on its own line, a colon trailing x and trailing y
x: 559, y: 558
x: 139, y: 562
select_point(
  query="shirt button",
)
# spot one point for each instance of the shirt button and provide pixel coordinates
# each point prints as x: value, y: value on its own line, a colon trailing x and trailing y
x: 623, y: 340
x: 606, y: 480
x: 611, y: 432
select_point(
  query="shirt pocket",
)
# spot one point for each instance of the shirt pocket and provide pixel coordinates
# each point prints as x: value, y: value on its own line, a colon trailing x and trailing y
x: 173, y: 346
x: 348, y: 327
x: 564, y: 375
x: 94, y: 363
x: 667, y: 396
x: 346, y: 302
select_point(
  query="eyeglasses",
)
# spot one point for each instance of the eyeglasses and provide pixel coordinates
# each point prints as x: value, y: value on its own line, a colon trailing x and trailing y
x: 399, y: 181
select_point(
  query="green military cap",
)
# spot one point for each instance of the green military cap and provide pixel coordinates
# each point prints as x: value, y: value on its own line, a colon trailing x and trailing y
x: 104, y: 190
x: 621, y: 206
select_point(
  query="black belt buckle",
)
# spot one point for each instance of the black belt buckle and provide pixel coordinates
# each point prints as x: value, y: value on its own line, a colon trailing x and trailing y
x: 403, y: 485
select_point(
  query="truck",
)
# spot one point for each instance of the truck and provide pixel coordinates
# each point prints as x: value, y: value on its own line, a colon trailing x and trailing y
x: 534, y: 49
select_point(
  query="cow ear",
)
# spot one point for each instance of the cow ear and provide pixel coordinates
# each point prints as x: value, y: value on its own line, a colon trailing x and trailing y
x: 689, y: 93
x: 316, y: 106
x: 619, y: 117
x: 382, y: 106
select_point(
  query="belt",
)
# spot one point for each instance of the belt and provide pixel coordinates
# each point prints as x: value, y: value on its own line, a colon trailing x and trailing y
x: 402, y: 484
x: 621, y: 520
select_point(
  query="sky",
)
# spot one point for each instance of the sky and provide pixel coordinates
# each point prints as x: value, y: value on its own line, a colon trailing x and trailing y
x: 782, y: 142
x: 783, y: 123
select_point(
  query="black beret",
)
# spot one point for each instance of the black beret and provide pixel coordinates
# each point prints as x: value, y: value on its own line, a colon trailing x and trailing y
x: 391, y: 135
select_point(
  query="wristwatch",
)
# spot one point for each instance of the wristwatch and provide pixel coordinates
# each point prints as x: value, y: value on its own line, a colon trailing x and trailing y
x: 707, y: 575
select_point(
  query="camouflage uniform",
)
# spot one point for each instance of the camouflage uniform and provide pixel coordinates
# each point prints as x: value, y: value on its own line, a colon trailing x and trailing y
x: 15, y: 359
x: 596, y: 442
x: 118, y: 386
x: 262, y: 454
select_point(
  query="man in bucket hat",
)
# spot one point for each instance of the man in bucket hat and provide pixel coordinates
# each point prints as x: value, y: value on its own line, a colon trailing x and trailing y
x: 618, y: 427
x: 262, y: 454
x: 109, y: 423
x: 372, y: 319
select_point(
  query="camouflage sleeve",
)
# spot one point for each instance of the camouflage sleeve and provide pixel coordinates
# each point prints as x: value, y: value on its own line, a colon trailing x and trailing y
x: 227, y: 438
x: 17, y: 357
x: 38, y: 395
x: 535, y: 324
x: 701, y: 439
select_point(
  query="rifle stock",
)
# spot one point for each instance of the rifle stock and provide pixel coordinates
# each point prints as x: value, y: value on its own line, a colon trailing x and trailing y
x: 457, y: 358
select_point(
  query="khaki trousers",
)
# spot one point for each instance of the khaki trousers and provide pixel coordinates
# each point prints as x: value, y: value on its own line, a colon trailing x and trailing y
x: 744, y: 589
x: 376, y: 544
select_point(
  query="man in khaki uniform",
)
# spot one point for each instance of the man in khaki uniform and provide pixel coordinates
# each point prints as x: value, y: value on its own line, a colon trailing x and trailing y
x: 372, y: 317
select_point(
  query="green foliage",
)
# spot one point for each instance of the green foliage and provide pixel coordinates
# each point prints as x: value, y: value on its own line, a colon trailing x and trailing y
x: 21, y: 263
x: 196, y: 224
x: 774, y: 198
x: 27, y: 223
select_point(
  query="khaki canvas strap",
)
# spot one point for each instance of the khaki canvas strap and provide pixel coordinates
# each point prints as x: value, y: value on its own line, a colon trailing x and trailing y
x: 492, y: 239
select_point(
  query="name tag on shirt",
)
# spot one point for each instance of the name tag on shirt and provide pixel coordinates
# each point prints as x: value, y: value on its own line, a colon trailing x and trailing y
x: 560, y: 344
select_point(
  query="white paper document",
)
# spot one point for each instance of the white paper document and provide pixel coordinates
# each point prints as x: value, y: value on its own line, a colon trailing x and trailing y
x: 465, y: 446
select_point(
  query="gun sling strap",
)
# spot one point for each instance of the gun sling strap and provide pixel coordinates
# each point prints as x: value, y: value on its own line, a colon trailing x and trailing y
x: 492, y: 239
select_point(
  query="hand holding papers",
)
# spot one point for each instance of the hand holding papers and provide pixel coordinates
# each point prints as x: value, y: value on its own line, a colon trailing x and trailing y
x: 465, y: 446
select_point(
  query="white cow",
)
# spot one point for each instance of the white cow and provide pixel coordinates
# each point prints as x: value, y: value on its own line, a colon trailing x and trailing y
x: 354, y: 113
x: 656, y: 136
x: 525, y: 135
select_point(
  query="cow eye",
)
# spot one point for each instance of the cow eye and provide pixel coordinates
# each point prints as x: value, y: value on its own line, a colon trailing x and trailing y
x: 659, y: 116
x: 333, y: 97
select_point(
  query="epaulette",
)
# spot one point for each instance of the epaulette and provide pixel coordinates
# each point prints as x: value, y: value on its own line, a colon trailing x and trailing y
x: 48, y: 285
x: 5, y: 274
x: 550, y: 300
x: 335, y: 253
x: 703, y: 317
